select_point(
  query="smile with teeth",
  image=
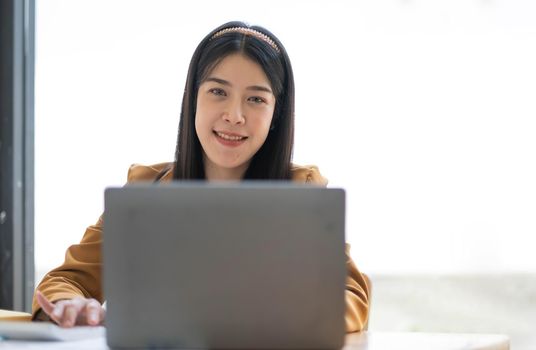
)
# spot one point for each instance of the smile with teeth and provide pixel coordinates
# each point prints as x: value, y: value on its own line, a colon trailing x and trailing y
x: 230, y: 137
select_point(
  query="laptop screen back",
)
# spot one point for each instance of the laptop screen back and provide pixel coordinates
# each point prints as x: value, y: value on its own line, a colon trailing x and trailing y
x: 250, y: 265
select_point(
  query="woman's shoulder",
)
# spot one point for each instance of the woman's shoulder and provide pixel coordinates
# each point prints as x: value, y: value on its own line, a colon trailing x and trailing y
x: 164, y: 171
x: 140, y: 172
x: 307, y: 174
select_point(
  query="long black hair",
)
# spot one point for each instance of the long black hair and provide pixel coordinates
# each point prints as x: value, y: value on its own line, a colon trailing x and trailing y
x: 272, y: 160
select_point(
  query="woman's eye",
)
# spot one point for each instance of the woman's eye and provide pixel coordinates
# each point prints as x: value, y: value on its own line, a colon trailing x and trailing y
x: 217, y: 92
x: 256, y: 99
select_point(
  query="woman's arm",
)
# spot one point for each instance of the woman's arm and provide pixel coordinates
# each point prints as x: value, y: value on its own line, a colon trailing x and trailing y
x: 79, y: 276
x: 357, y: 297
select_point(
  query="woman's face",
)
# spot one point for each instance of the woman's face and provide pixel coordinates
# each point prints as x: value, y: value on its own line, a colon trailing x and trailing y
x: 235, y: 106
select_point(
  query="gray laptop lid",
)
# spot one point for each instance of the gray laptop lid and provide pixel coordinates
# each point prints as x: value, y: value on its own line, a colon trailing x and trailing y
x: 250, y: 265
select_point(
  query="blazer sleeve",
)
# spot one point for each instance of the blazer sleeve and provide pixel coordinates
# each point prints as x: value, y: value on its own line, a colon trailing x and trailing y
x: 81, y: 273
x: 357, y: 297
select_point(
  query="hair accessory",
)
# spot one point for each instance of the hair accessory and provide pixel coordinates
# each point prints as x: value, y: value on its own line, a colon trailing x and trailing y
x: 247, y: 31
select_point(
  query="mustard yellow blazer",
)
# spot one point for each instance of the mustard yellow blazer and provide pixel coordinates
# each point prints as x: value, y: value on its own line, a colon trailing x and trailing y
x: 81, y: 273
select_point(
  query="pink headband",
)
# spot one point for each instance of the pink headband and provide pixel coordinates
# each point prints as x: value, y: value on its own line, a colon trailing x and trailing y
x: 247, y: 31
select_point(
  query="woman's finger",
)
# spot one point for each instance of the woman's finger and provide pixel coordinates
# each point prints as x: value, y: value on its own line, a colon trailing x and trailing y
x: 57, y: 313
x: 69, y: 316
x: 47, y: 306
x: 93, y: 312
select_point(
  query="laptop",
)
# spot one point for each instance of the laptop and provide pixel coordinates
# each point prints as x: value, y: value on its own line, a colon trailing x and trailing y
x: 251, y: 265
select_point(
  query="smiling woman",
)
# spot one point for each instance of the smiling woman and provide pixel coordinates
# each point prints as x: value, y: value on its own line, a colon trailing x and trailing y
x: 237, y: 123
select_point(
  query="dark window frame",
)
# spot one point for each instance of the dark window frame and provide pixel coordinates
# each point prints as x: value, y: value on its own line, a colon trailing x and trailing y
x: 17, y: 33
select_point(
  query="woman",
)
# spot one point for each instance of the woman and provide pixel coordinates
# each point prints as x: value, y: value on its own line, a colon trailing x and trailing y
x: 237, y: 122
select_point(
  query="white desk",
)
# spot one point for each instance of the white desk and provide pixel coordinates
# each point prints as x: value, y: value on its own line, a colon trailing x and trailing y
x: 358, y: 341
x: 425, y: 341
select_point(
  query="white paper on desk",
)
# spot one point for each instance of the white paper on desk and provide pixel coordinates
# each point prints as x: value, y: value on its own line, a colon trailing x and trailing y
x: 47, y: 331
x: 84, y: 344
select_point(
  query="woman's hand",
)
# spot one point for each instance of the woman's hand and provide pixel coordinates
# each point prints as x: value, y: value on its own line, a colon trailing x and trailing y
x: 73, y: 312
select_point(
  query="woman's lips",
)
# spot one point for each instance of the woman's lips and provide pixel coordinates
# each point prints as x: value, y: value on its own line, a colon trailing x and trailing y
x: 229, y: 139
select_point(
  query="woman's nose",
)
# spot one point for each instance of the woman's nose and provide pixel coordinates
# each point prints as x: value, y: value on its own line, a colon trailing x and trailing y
x: 234, y: 113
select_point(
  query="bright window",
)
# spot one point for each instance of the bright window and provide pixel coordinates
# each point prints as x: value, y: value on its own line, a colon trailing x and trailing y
x: 423, y: 111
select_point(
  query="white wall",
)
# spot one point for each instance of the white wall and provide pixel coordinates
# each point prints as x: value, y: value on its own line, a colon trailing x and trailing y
x: 425, y: 111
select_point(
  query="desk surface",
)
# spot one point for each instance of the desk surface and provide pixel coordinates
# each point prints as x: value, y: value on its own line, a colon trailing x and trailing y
x: 425, y: 341
x: 357, y: 341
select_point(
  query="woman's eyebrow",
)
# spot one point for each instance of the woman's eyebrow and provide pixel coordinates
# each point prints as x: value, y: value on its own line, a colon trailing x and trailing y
x: 219, y: 81
x: 227, y: 83
x: 259, y: 88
